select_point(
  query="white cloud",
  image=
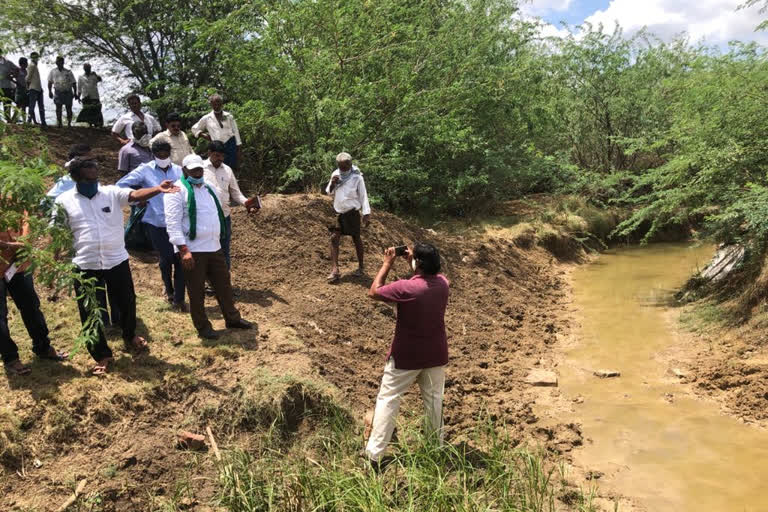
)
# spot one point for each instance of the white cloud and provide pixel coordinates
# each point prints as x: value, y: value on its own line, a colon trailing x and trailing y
x: 716, y: 21
x: 543, y: 7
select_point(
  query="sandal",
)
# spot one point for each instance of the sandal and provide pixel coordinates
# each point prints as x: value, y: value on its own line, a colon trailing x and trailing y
x: 333, y: 277
x: 102, y: 367
x: 358, y: 273
x: 54, y: 355
x: 17, y: 368
x: 137, y: 345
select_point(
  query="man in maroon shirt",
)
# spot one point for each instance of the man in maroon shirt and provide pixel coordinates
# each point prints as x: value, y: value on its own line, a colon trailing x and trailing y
x: 419, y: 350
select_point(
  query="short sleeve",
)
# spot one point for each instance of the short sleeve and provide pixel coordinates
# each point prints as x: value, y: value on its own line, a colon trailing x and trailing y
x: 119, y: 125
x: 399, y: 291
x: 123, y: 195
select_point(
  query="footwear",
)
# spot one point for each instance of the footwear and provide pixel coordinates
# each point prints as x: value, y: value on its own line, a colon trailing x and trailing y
x: 181, y: 307
x: 209, y: 334
x: 240, y: 324
x: 209, y: 291
x: 102, y: 367
x: 358, y: 273
x: 53, y: 355
x: 137, y: 345
x: 17, y: 368
x: 380, y: 465
x: 333, y: 277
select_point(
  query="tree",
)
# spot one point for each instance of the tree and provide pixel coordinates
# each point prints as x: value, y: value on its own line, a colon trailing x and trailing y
x: 154, y: 43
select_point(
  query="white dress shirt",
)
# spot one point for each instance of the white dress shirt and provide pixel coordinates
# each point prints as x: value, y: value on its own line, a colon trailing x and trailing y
x: 179, y: 145
x: 33, y: 78
x: 97, y: 226
x: 225, y: 184
x: 125, y: 122
x: 221, y: 132
x: 62, y: 80
x: 350, y: 195
x: 208, y: 227
x: 89, y: 86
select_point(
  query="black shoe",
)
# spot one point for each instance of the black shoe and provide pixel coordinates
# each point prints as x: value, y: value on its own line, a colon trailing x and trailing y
x: 209, y: 334
x: 240, y: 324
x: 380, y: 465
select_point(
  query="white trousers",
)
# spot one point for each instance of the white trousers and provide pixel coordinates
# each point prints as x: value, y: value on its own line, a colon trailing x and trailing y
x: 394, y: 384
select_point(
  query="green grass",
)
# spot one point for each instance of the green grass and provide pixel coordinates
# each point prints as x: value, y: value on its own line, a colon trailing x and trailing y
x: 701, y: 317
x: 327, y: 473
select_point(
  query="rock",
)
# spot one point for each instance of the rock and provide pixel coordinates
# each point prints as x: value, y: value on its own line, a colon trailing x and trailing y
x: 542, y: 378
x: 594, y: 475
x: 607, y: 374
x: 191, y: 441
x: 578, y: 400
x: 725, y: 260
x: 37, y: 463
x: 677, y: 372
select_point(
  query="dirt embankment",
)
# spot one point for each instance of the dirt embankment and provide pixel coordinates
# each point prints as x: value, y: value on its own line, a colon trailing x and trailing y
x: 60, y: 426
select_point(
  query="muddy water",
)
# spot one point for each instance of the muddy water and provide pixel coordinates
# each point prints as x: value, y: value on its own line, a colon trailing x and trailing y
x: 654, y: 441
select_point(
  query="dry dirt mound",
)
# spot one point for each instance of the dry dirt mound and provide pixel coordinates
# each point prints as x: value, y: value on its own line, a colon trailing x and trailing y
x: 119, y: 432
x: 501, y: 317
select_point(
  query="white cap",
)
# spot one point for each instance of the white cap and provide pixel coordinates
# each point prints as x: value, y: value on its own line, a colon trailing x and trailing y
x: 192, y: 161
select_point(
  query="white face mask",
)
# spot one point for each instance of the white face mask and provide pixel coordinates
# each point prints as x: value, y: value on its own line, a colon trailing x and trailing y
x: 163, y: 163
x: 413, y: 264
x: 144, y: 140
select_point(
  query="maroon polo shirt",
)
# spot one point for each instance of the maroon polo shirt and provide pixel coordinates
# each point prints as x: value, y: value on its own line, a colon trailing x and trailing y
x: 420, y: 340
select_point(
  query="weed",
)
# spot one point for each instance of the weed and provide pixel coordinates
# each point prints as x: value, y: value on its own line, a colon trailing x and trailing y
x: 424, y: 475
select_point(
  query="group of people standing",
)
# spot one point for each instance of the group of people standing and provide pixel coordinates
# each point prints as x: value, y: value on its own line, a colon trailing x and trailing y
x: 187, y: 201
x: 21, y: 85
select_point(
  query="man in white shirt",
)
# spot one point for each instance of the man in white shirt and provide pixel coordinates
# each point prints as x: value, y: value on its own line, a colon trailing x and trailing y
x: 349, y: 197
x: 195, y: 224
x: 35, y: 87
x: 94, y: 213
x: 62, y: 82
x: 89, y: 97
x: 220, y: 125
x: 220, y: 175
x: 124, y: 123
x: 176, y: 137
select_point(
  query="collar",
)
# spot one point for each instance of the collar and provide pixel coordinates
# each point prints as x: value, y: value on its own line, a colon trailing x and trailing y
x: 224, y: 114
x: 154, y: 164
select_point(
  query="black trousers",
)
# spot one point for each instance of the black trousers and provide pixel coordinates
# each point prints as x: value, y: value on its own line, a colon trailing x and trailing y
x: 22, y: 291
x: 120, y: 283
x: 170, y: 263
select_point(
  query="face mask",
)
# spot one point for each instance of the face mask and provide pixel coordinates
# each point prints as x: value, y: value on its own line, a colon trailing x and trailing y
x: 88, y: 189
x: 163, y: 163
x: 144, y: 140
x: 195, y: 181
x: 413, y: 264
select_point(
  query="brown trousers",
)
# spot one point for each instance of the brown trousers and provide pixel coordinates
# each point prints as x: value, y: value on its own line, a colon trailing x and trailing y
x: 211, y: 266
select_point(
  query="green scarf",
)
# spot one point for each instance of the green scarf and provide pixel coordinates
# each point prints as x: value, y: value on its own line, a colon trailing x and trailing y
x: 192, y: 206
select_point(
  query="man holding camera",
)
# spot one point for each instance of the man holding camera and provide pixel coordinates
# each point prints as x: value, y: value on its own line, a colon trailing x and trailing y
x: 419, y: 351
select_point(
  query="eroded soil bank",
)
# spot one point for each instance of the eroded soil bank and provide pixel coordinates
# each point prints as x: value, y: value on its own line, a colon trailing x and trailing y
x: 647, y: 434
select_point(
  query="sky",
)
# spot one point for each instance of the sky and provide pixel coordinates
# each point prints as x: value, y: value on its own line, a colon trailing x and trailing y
x: 715, y: 21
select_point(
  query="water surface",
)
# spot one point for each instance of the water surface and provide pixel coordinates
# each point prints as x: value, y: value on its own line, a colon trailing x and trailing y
x: 653, y: 441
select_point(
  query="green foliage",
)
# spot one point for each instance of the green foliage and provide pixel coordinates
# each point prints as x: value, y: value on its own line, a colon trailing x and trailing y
x: 423, y: 476
x: 714, y: 151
